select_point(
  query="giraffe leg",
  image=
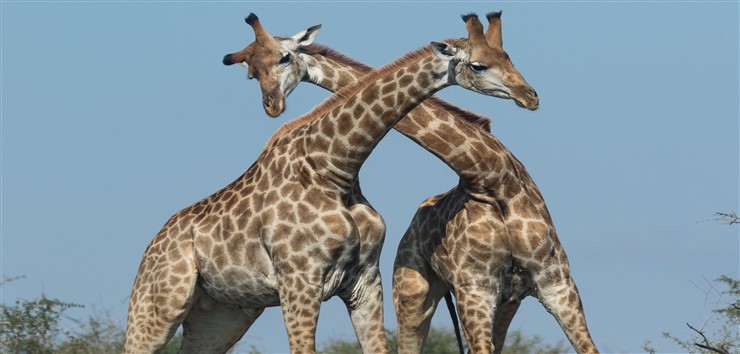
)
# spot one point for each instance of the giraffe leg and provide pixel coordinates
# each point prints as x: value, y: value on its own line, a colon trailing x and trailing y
x: 501, y: 321
x: 416, y: 293
x: 213, y: 327
x: 365, y: 307
x: 365, y: 300
x: 477, y: 306
x: 162, y: 295
x: 300, y: 312
x: 558, y: 293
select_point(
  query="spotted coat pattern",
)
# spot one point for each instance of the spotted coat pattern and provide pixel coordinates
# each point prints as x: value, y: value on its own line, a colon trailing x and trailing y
x: 490, y: 239
x: 282, y: 234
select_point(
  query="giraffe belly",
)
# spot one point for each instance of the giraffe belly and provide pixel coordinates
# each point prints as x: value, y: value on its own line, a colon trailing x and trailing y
x: 242, y: 276
x: 253, y: 281
x: 242, y: 287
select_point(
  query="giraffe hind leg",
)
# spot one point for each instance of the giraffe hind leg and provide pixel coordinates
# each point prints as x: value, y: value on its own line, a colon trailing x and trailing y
x: 501, y: 321
x: 477, y: 308
x: 364, y: 301
x: 416, y: 294
x: 559, y: 295
x: 365, y: 307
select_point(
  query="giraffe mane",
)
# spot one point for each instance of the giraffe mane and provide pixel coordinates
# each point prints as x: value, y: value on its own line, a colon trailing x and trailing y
x: 468, y: 117
x: 320, y: 49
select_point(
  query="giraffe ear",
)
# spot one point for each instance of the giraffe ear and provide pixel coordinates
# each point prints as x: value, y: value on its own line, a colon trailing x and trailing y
x: 444, y: 51
x: 306, y: 36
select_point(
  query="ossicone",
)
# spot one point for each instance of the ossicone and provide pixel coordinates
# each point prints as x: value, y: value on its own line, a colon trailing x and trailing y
x: 465, y: 18
x: 493, y: 15
x: 251, y: 19
x: 474, y: 27
x: 260, y: 33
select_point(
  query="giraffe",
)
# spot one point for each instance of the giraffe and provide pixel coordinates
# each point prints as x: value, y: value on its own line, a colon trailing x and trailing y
x: 280, y: 67
x: 492, y: 242
x: 289, y: 60
x: 281, y: 233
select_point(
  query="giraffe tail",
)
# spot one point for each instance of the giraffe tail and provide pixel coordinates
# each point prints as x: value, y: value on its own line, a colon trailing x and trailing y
x: 455, y: 323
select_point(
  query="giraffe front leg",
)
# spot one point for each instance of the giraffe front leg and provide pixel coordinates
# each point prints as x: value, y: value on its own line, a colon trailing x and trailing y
x: 365, y: 306
x: 213, y: 327
x: 300, y: 301
x: 558, y: 293
x: 162, y: 295
x: 364, y: 299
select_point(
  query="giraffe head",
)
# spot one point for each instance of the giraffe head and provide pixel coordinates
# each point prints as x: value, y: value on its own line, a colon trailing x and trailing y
x: 274, y: 62
x: 481, y: 64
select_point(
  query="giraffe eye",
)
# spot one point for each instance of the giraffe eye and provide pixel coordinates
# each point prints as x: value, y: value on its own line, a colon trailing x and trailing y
x: 477, y: 67
x: 285, y: 59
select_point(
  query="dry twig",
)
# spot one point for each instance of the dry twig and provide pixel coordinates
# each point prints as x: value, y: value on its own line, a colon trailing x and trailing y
x: 706, y: 345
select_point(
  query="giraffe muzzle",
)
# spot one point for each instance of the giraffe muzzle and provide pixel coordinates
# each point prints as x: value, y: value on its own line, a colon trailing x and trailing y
x: 273, y: 107
x: 526, y: 97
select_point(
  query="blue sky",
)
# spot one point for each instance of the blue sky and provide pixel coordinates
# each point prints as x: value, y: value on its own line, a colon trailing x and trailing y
x: 115, y: 115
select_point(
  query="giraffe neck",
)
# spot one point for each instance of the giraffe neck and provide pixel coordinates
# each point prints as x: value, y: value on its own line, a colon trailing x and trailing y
x: 369, y: 108
x: 357, y: 117
x: 330, y: 69
x: 459, y: 138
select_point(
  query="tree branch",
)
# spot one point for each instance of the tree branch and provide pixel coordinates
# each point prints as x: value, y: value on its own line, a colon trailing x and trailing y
x: 706, y: 345
x: 728, y: 218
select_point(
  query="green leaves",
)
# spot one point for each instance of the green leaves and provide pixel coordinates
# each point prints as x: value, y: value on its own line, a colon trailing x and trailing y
x: 33, y: 326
